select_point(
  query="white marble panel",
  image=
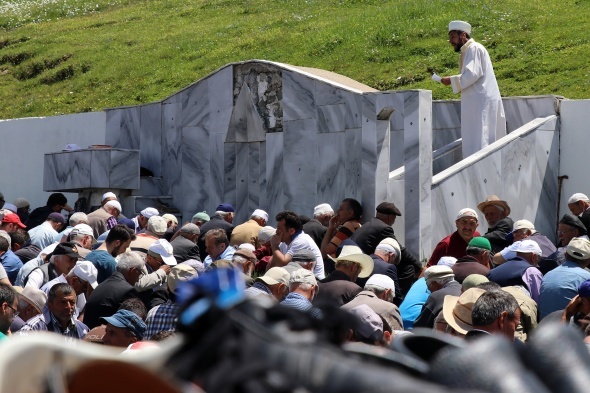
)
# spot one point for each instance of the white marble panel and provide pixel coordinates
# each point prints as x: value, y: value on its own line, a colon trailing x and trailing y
x: 221, y: 99
x: 124, y: 173
x: 67, y: 171
x: 150, y: 135
x: 245, y: 124
x: 353, y: 164
x: 298, y: 98
x: 195, y: 104
x: 382, y: 169
x: 446, y: 114
x: 521, y: 110
x: 253, y: 180
x: 520, y: 177
x: 216, y: 163
x: 242, y: 171
x: 547, y: 157
x: 100, y: 167
x: 397, y: 117
x: 369, y: 154
x: 149, y: 186
x: 331, y: 168
x: 300, y: 165
x: 229, y: 173
x: 123, y: 127
x: 331, y: 118
x: 172, y: 149
x: 418, y: 170
x: 326, y: 94
x: 354, y: 110
x: 262, y: 199
x: 396, y: 194
x: 274, y: 175
x: 196, y: 176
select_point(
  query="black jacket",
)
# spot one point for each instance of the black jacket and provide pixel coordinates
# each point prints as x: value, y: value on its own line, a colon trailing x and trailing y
x: 106, y: 299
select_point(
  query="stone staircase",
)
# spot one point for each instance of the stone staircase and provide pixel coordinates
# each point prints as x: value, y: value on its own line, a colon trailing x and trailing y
x: 151, y: 194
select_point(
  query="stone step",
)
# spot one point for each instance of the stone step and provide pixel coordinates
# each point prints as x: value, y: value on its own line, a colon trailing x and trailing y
x: 149, y: 186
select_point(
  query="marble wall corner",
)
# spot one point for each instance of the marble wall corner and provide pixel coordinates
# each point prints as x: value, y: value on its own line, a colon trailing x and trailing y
x: 298, y: 97
x: 150, y: 138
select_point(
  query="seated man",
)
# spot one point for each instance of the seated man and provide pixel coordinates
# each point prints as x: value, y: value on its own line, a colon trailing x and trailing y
x: 274, y: 285
x: 123, y: 329
x: 568, y: 228
x: 524, y: 229
x: 496, y: 213
x: 217, y: 246
x: 456, y: 243
x: 248, y: 231
x: 579, y: 205
x: 58, y: 315
x: 495, y: 312
x: 441, y: 282
x: 302, y: 289
x: 476, y: 260
x: 521, y: 270
x: 344, y: 223
x: 371, y: 233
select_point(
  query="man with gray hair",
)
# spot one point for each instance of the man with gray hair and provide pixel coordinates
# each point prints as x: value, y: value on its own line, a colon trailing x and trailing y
x: 248, y: 231
x: 302, y: 289
x: 302, y: 259
x: 245, y: 261
x: 579, y: 205
x: 83, y: 236
x: 379, y: 293
x: 185, y: 243
x: 316, y: 227
x: 75, y: 219
x: 495, y: 312
x: 440, y: 280
x: 106, y: 299
x: 155, y: 229
x: 385, y: 259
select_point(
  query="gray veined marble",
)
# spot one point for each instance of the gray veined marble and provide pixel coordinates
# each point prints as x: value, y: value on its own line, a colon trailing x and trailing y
x: 242, y: 185
x: 172, y: 148
x: 353, y: 163
x: 254, y: 190
x: 298, y: 97
x: 274, y: 174
x: 245, y: 123
x: 331, y: 118
x: 299, y: 171
x: 216, y: 163
x: 196, y: 177
x: 331, y: 169
x: 220, y: 87
x: 195, y: 104
x: 229, y: 173
x: 124, y: 172
x: 123, y: 128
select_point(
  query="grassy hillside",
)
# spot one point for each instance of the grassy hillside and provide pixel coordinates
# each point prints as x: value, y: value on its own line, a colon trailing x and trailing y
x: 66, y: 56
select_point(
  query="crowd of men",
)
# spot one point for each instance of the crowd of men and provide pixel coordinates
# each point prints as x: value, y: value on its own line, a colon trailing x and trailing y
x: 105, y: 278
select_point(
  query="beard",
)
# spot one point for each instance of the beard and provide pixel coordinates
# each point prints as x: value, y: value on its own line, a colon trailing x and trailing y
x: 458, y: 47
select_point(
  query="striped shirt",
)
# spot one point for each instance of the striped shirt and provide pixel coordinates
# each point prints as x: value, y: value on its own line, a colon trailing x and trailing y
x: 75, y: 328
x: 299, y: 302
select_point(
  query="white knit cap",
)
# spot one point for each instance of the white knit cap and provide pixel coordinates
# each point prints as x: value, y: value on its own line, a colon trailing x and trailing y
x: 108, y: 195
x: 460, y: 25
x: 577, y: 197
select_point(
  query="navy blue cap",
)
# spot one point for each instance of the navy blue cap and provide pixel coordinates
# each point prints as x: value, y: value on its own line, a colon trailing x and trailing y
x: 584, y: 289
x: 127, y: 320
x: 129, y: 223
x: 225, y: 207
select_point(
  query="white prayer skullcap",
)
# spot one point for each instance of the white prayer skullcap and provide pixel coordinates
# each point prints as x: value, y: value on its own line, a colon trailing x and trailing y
x: 389, y: 242
x: 577, y: 197
x: 467, y: 212
x: 322, y: 209
x: 108, y: 195
x: 114, y: 204
x: 149, y: 212
x: 460, y: 25
x: 246, y: 246
x: 381, y: 281
x: 447, y: 261
x: 260, y: 213
x: 265, y: 234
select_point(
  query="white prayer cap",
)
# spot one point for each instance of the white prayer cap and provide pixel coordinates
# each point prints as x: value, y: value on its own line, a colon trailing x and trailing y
x: 260, y: 213
x: 467, y: 212
x: 149, y: 212
x: 322, y: 209
x: 108, y: 195
x: 460, y: 25
x: 246, y: 246
x: 447, y: 261
x: 577, y: 198
x: 114, y: 204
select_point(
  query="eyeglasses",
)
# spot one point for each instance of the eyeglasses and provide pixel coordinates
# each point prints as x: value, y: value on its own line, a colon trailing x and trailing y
x: 16, y: 312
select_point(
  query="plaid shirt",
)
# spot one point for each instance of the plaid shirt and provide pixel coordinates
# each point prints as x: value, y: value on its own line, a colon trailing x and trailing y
x: 299, y: 302
x: 162, y: 317
x: 75, y: 328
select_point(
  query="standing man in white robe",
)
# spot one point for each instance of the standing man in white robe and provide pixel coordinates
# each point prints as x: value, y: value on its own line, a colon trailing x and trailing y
x: 482, y: 113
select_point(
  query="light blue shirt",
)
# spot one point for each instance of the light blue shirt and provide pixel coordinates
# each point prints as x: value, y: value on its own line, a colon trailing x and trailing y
x: 228, y: 254
x: 413, y: 302
x: 559, y: 287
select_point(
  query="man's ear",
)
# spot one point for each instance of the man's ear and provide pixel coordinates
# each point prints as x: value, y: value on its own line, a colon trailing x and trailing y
x: 502, y: 319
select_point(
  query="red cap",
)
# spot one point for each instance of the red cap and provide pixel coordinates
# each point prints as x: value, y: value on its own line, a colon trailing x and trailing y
x: 13, y: 219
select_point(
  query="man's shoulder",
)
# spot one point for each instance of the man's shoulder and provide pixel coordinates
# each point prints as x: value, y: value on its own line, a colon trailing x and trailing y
x: 99, y: 255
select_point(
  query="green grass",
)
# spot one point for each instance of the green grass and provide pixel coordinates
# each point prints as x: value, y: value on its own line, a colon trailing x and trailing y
x: 67, y: 56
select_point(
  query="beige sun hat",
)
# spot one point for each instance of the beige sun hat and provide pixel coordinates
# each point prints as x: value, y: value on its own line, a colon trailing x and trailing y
x: 355, y: 254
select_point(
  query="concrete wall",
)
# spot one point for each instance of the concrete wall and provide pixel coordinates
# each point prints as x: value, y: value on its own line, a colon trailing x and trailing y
x: 25, y: 141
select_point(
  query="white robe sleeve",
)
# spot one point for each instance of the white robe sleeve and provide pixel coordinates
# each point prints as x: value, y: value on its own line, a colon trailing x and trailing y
x: 473, y: 69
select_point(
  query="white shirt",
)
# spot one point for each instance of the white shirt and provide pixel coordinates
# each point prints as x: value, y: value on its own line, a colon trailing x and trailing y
x: 304, y: 242
x: 482, y: 113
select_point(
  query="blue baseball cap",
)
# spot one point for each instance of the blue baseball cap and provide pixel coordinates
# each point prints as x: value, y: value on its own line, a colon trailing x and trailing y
x: 225, y: 207
x: 127, y: 320
x: 584, y: 289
